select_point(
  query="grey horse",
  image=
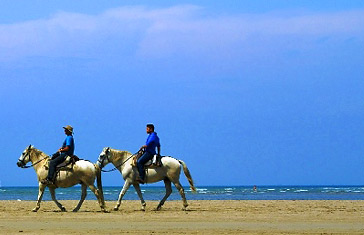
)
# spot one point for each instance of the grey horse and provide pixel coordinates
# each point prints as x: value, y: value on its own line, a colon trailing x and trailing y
x: 82, y: 172
x: 169, y: 172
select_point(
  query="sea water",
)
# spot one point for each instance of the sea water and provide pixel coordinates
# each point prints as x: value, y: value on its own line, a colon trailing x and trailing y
x: 203, y: 193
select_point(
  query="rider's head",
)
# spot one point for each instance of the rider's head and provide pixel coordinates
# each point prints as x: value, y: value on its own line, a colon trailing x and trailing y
x: 150, y: 128
x: 68, y: 130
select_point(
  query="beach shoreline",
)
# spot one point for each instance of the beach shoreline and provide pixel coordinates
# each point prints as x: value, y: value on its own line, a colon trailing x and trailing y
x: 202, y: 216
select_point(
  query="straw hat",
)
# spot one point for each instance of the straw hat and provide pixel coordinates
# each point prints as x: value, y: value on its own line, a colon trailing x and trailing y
x: 69, y: 128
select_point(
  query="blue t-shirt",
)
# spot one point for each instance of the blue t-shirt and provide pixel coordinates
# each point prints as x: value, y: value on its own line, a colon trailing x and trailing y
x: 70, y: 143
x: 152, y: 143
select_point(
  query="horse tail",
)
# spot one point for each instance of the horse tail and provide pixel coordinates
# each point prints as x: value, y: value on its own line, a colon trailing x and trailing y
x: 188, y: 175
x: 99, y: 183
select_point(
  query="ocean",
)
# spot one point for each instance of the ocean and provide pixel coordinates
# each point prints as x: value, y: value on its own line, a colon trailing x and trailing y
x: 203, y: 193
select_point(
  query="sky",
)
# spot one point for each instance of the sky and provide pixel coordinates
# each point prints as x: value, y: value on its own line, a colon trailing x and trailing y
x: 245, y: 92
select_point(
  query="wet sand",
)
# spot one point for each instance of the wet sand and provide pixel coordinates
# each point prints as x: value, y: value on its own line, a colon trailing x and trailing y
x: 202, y: 217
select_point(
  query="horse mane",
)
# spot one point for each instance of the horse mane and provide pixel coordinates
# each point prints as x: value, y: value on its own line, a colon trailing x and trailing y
x: 38, y: 152
x: 119, y: 154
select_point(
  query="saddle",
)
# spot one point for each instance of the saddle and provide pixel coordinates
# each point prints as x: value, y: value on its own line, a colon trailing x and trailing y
x: 69, y: 160
x: 156, y: 161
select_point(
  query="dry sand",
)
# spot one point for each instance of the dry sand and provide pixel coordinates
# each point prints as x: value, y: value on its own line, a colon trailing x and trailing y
x: 203, y: 217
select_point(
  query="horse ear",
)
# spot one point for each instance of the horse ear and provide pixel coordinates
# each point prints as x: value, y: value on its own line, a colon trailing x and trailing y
x: 107, y: 150
x: 30, y: 146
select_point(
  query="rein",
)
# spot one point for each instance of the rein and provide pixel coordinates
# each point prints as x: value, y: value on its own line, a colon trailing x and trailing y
x: 33, y: 163
x: 115, y: 168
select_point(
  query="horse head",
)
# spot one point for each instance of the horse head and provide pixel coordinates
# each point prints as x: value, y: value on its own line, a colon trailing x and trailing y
x: 104, y: 157
x: 24, y: 157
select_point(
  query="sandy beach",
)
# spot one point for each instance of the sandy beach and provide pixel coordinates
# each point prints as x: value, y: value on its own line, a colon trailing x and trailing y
x: 203, y: 217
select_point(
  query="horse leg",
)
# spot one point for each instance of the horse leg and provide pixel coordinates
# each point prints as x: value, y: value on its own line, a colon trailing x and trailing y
x: 182, y: 193
x: 53, y: 194
x: 96, y: 192
x: 40, y: 196
x: 122, y: 193
x: 168, y: 186
x: 83, y: 196
x: 139, y: 192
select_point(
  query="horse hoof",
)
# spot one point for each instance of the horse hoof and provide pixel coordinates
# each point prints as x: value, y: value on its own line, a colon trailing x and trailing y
x: 35, y: 210
x: 105, y: 211
x: 74, y: 210
x: 158, y: 208
x: 63, y: 209
x: 116, y: 208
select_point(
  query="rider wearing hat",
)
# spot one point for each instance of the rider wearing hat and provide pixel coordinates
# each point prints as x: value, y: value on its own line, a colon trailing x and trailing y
x: 149, y: 151
x: 67, y: 149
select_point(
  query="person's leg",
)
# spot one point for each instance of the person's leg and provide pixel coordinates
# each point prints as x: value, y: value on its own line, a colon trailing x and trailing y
x: 140, y: 163
x: 53, y: 164
x: 54, y: 155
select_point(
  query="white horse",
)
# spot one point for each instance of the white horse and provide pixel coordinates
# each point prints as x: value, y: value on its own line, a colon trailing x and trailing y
x: 169, y: 172
x: 82, y: 172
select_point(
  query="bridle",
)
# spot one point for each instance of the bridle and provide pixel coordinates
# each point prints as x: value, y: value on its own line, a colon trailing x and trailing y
x: 116, y: 167
x: 103, y: 159
x: 27, y: 154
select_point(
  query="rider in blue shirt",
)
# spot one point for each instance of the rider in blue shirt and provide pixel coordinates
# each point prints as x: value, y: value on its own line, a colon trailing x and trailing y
x: 67, y: 149
x: 149, y: 151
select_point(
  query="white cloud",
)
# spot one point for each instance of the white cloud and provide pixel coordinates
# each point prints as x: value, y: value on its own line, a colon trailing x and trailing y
x: 175, y: 31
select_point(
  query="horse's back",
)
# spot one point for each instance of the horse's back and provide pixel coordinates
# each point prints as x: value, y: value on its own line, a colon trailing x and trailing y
x: 170, y: 168
x: 84, y: 167
x: 169, y: 161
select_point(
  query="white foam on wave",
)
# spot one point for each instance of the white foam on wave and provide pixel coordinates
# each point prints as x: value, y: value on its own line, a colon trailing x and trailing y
x: 202, y: 189
x: 301, y: 190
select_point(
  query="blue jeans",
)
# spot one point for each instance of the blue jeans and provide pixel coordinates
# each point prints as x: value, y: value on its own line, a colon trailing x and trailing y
x: 141, y: 161
x: 57, y: 158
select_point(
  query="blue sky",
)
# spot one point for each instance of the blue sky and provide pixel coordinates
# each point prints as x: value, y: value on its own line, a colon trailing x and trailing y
x: 245, y: 92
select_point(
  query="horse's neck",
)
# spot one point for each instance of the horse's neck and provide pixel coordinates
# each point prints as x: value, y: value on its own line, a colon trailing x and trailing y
x: 37, y: 156
x: 119, y: 157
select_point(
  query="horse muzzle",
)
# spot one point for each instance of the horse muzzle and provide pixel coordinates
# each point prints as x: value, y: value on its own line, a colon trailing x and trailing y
x: 20, y: 164
x: 99, y: 164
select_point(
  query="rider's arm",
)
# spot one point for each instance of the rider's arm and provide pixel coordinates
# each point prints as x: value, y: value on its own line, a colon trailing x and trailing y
x: 66, y: 145
x: 64, y: 149
x: 151, y: 139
